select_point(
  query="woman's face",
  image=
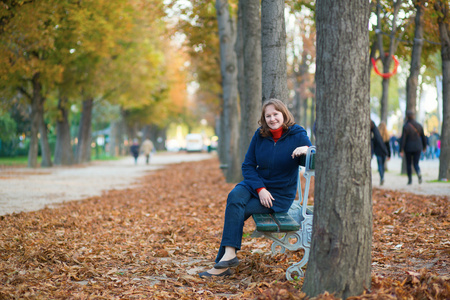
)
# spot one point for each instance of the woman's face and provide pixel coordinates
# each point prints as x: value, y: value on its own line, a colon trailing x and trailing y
x: 274, y: 118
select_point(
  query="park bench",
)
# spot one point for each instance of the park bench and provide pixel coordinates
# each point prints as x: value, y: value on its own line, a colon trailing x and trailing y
x: 291, y: 230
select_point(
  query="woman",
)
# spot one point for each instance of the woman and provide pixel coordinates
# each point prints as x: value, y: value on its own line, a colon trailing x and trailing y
x: 379, y: 149
x: 383, y: 159
x: 413, y: 143
x: 270, y: 171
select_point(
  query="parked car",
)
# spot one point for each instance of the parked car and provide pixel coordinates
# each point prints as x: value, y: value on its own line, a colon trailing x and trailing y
x: 194, y: 142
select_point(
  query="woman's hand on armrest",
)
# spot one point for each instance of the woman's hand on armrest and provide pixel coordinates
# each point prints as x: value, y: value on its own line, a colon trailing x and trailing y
x: 299, y: 151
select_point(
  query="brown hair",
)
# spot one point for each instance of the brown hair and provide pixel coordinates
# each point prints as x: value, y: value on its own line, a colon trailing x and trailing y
x: 383, y: 131
x: 288, y: 119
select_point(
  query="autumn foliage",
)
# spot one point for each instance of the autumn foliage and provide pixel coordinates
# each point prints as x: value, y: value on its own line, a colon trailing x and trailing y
x: 151, y: 240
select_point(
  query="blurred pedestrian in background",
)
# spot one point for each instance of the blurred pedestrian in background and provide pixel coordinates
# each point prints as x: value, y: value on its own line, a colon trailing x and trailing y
x: 134, y: 149
x: 432, y: 142
x: 413, y: 142
x: 395, y: 147
x: 379, y: 149
x: 385, y: 136
x: 147, y: 148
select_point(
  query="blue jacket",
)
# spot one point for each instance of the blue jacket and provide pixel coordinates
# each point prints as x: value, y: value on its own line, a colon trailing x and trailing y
x: 270, y: 165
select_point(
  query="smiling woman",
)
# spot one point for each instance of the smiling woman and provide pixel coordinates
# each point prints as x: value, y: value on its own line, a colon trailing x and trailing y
x: 270, y: 172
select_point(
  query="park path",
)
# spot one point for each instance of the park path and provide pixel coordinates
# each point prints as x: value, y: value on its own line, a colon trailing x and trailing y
x: 393, y: 180
x: 25, y: 189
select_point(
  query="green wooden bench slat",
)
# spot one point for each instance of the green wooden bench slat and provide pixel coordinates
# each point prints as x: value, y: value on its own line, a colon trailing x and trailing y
x: 265, y: 222
x: 286, y: 222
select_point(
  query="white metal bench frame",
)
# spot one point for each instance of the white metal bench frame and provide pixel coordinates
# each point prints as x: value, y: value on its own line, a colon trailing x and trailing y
x: 298, y: 212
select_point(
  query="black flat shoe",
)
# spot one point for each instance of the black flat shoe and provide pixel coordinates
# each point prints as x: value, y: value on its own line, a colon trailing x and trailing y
x: 227, y: 263
x: 206, y: 274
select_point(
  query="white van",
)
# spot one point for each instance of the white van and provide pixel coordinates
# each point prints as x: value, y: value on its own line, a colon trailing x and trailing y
x: 194, y: 142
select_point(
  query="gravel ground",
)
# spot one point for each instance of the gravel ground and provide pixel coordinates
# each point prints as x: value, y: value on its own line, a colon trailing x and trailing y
x: 25, y: 189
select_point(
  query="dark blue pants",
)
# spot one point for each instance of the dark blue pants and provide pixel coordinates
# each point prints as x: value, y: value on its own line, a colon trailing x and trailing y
x: 414, y: 158
x: 380, y: 161
x: 241, y: 204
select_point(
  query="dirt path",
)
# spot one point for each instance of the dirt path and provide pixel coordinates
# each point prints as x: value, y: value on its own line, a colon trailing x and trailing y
x: 25, y: 189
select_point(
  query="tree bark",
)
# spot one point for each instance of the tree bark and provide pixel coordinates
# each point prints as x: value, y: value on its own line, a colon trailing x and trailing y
x: 413, y: 79
x: 386, y: 58
x: 228, y: 69
x: 273, y: 46
x: 239, y: 50
x: 46, y: 154
x: 83, y: 153
x: 36, y: 109
x: 340, y: 259
x: 296, y: 103
x: 63, y: 147
x: 113, y: 145
x: 252, y: 72
x: 312, y: 120
x: 303, y: 94
x: 444, y: 33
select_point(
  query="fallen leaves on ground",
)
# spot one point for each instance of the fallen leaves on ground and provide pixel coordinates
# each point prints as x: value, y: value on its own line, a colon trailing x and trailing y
x: 151, y: 241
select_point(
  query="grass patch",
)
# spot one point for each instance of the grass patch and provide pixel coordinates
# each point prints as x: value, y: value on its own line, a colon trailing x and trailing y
x: 22, y: 161
x: 438, y: 181
x: 15, y: 161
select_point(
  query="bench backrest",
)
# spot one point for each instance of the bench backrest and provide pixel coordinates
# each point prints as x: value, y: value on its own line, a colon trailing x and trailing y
x: 307, y: 171
x: 308, y: 174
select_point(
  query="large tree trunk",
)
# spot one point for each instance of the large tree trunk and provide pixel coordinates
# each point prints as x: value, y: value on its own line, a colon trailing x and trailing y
x: 239, y: 50
x: 303, y: 94
x: 312, y: 119
x: 113, y: 145
x: 296, y: 103
x: 384, y: 94
x: 250, y: 101
x: 413, y: 80
x: 252, y: 72
x: 157, y: 135
x: 36, y: 109
x: 83, y: 153
x: 386, y: 58
x: 444, y: 32
x: 273, y: 46
x: 340, y: 259
x: 63, y: 147
x: 228, y: 69
x: 46, y: 153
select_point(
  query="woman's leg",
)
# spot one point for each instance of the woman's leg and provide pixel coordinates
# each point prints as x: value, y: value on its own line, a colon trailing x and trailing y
x: 240, y: 206
x: 416, y: 158
x: 408, y: 156
x: 380, y: 161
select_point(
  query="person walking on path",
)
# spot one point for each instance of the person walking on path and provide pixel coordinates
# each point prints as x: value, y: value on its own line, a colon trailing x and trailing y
x: 385, y: 136
x: 432, y: 140
x: 413, y: 142
x: 379, y: 149
x: 270, y: 171
x: 134, y: 149
x: 147, y: 148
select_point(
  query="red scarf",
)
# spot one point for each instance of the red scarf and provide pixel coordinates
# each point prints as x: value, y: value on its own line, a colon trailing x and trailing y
x: 277, y: 133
